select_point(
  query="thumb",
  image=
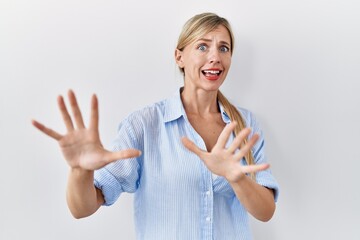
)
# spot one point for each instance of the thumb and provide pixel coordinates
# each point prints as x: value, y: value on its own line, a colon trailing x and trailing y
x: 123, y: 154
x: 190, y: 145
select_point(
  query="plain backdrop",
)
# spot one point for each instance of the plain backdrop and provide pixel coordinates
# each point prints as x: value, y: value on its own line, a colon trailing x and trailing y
x: 296, y: 66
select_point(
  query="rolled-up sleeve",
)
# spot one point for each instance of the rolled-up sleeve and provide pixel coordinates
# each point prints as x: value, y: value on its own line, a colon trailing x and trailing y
x: 122, y: 175
x: 264, y: 178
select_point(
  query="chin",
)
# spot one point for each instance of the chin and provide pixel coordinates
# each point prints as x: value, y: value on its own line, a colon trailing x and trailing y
x: 212, y: 85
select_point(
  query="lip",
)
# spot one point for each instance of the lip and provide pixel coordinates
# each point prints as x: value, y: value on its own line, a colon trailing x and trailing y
x: 212, y: 74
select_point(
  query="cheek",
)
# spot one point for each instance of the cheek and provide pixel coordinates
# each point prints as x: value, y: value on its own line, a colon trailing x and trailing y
x: 227, y: 62
x: 194, y: 64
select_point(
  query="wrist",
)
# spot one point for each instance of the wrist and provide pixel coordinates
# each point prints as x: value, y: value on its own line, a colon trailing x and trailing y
x: 235, y: 177
x: 80, y: 172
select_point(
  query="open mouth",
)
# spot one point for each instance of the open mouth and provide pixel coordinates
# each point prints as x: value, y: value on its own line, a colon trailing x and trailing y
x: 211, y: 72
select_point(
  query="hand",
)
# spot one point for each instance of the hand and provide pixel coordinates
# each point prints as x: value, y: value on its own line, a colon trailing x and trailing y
x: 81, y: 146
x: 224, y: 161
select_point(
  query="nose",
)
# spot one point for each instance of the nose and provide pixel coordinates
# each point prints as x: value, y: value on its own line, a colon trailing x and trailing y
x: 214, y: 56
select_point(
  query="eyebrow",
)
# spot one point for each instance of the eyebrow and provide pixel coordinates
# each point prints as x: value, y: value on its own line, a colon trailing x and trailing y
x: 209, y: 40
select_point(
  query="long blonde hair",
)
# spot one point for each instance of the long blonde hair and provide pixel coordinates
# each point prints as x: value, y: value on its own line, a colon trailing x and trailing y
x: 196, y: 27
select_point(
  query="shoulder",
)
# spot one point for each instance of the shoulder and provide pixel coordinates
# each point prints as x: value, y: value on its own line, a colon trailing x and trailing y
x: 146, y: 116
x: 251, y: 122
x: 248, y: 116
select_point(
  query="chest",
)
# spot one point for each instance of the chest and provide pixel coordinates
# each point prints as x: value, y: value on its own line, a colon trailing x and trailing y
x: 209, y: 128
x: 168, y: 167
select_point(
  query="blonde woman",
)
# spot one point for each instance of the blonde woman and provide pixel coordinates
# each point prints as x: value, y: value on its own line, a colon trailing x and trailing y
x: 195, y: 162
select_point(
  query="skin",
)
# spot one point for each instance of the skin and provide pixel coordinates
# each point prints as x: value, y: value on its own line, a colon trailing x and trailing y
x: 84, y: 153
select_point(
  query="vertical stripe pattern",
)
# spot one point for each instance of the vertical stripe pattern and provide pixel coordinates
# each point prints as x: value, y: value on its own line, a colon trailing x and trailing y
x: 176, y: 196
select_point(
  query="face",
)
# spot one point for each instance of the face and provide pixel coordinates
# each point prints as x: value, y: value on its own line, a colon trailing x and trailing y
x: 206, y: 61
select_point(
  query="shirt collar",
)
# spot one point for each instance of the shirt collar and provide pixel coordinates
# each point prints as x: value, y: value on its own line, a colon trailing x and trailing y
x: 174, y: 109
x: 224, y: 115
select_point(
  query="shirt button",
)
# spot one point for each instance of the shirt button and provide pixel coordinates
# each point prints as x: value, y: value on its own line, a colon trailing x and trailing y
x: 208, y: 219
x: 208, y: 193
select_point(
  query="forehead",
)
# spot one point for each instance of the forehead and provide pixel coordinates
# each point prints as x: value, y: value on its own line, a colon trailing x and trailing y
x: 221, y: 33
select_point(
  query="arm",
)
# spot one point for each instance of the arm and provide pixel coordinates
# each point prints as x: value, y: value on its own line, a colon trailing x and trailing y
x: 84, y: 153
x: 83, y: 198
x: 258, y: 200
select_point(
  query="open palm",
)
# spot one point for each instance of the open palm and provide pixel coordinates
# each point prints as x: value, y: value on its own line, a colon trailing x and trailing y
x: 224, y: 161
x: 81, y: 146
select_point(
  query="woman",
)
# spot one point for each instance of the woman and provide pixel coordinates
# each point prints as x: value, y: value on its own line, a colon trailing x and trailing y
x: 190, y: 159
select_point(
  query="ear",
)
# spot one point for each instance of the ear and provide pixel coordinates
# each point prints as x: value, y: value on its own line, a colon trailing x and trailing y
x: 179, y: 58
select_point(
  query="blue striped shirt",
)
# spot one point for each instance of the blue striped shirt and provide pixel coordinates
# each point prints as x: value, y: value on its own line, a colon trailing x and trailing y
x: 176, y: 196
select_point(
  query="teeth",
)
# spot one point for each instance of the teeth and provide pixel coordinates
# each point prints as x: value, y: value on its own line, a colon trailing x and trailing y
x: 212, y: 71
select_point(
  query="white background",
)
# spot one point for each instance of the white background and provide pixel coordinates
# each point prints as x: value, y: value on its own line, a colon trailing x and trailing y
x: 296, y: 65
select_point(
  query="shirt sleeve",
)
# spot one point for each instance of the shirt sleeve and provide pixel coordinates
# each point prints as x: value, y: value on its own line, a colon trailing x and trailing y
x: 122, y: 175
x: 264, y: 178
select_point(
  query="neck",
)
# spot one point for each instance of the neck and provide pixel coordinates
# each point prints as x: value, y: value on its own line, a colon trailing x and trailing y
x: 199, y: 102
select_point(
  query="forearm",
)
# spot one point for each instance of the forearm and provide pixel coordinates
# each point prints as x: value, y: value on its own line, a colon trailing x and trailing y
x: 82, y: 197
x: 258, y: 200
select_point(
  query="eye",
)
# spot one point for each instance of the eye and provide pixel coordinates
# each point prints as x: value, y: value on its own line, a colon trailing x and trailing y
x: 224, y: 49
x: 202, y: 47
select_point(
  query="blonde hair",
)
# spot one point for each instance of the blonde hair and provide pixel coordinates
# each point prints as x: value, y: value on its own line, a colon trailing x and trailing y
x: 235, y: 116
x: 195, y: 28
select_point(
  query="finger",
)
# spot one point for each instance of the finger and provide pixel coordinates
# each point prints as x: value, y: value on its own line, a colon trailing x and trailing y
x: 225, y: 134
x: 247, y: 147
x: 65, y: 114
x: 190, y: 145
x: 239, y: 139
x: 94, y: 115
x: 255, y: 168
x: 75, y: 110
x: 123, y: 154
x: 51, y: 133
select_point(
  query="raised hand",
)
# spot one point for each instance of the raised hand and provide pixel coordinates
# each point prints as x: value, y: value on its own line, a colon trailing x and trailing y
x: 81, y: 146
x: 224, y: 161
